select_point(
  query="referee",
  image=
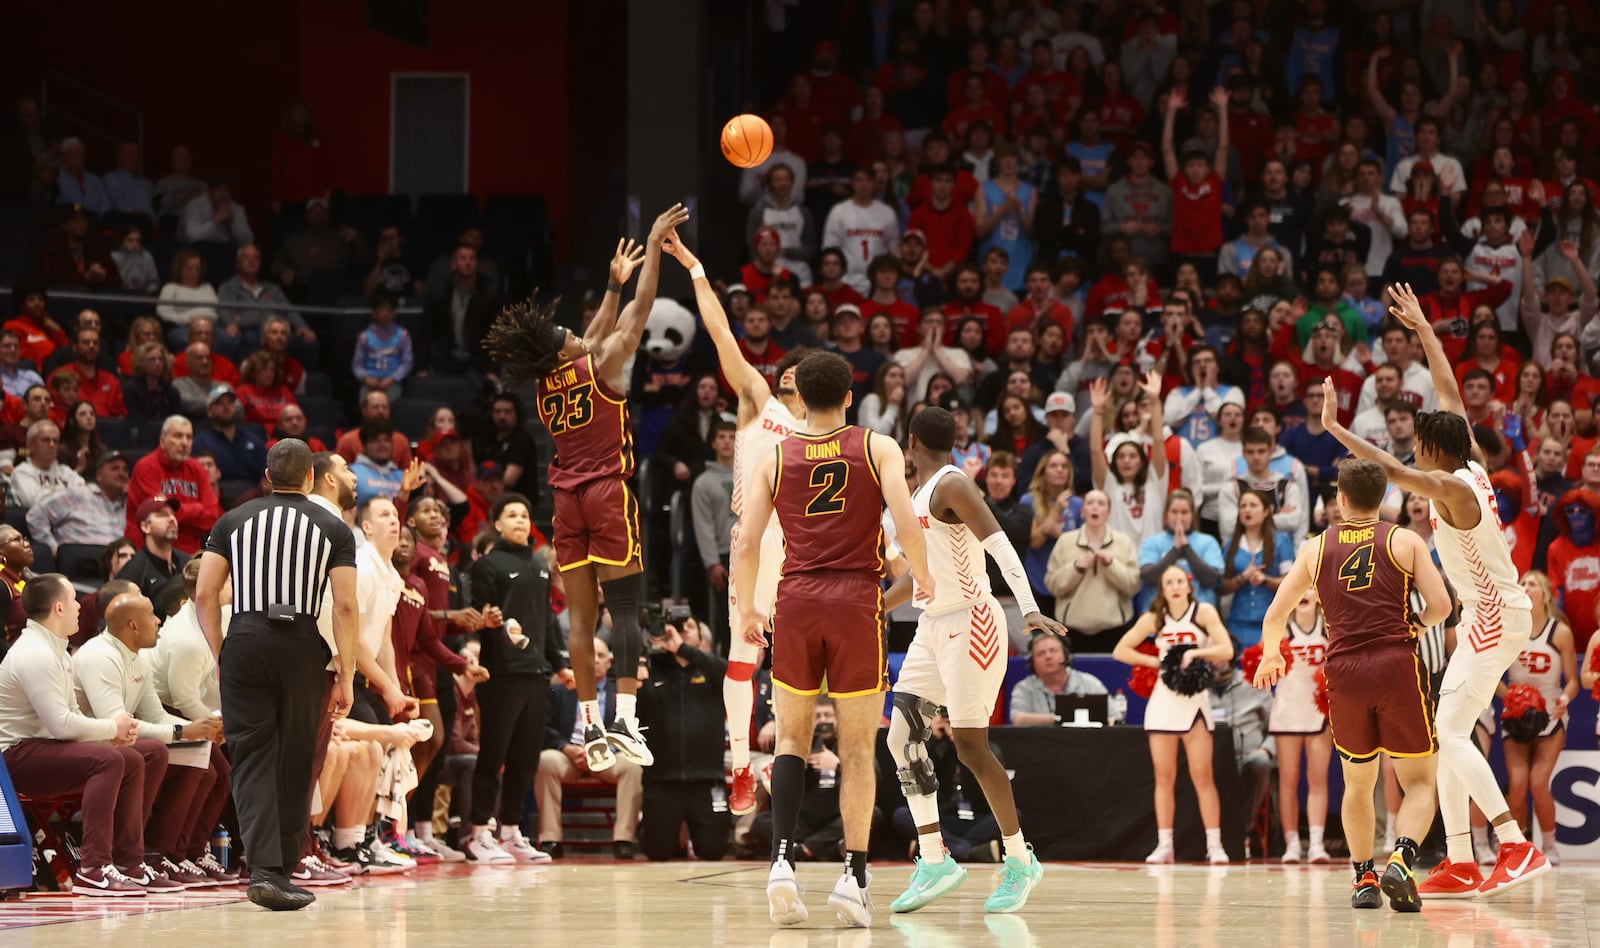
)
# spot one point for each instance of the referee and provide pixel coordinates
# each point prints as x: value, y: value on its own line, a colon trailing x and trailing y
x: 285, y: 553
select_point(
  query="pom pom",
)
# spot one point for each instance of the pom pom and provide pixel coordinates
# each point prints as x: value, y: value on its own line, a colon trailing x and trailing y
x: 1186, y: 680
x: 1142, y: 680
x: 1523, y: 714
x: 1249, y: 661
x: 1320, y: 696
x: 1594, y: 666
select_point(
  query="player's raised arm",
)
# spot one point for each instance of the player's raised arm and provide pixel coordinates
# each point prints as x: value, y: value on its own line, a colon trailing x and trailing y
x: 964, y: 499
x: 1411, y: 553
x: 745, y: 560
x: 1435, y: 485
x: 628, y: 256
x: 617, y: 347
x: 750, y: 385
x: 1408, y: 310
x: 1275, y: 624
x: 891, y: 465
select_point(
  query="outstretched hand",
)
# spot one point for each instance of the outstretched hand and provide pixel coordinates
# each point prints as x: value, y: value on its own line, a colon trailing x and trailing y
x: 1330, y: 404
x: 1406, y: 307
x: 627, y: 258
x: 1039, y: 622
x: 672, y: 245
x: 1270, y: 670
x: 669, y: 221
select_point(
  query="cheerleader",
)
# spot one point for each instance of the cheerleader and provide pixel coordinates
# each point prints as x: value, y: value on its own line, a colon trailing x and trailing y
x: 1549, y: 664
x: 1175, y: 618
x: 1297, y: 725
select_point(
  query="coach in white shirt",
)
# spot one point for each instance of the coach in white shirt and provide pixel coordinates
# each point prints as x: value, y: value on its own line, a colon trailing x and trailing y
x: 182, y: 666
x: 114, y: 677
x: 378, y: 588
x: 51, y: 748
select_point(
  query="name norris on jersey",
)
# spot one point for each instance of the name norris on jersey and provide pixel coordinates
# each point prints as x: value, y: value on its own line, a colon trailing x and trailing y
x: 1358, y: 535
x: 823, y: 451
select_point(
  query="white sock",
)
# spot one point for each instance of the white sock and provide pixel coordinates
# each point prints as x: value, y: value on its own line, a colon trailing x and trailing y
x: 1459, y: 848
x: 1388, y: 825
x: 932, y: 847
x: 625, y: 706
x: 1547, y: 840
x: 1017, y: 847
x: 1213, y: 839
x: 348, y: 837
x: 1316, y: 837
x: 739, y: 698
x: 424, y: 831
x: 1164, y: 837
x: 1509, y: 832
x: 508, y: 832
x: 589, y: 711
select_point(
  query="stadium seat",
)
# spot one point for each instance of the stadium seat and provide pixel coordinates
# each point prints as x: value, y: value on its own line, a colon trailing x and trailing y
x: 452, y: 390
x: 440, y: 219
x: 79, y: 560
x: 220, y: 259
x: 115, y: 433
x: 321, y: 410
x: 319, y: 384
x: 369, y: 213
x: 411, y: 415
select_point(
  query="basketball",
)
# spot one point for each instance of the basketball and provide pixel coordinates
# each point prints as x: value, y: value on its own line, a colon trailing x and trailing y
x: 746, y: 140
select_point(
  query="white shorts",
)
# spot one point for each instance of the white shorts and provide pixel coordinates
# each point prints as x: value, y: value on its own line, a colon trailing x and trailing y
x: 958, y: 660
x: 766, y: 593
x: 1486, y: 645
x: 1171, y: 713
x: 1294, y: 707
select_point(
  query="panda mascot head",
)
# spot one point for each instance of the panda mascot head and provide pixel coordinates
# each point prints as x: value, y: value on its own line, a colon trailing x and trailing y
x: 662, y: 371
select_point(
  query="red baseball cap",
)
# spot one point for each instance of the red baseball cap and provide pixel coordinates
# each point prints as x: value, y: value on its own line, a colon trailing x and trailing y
x: 764, y: 233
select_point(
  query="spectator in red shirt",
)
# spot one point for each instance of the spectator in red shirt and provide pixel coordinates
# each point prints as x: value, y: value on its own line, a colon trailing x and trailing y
x: 946, y: 224
x: 1196, y: 189
x: 967, y: 300
x: 1250, y: 131
x: 1039, y: 306
x: 884, y: 275
x: 974, y: 107
x: 38, y: 334
x: 1450, y: 310
x: 1061, y: 89
x: 1315, y: 131
x: 1324, y: 363
x: 864, y: 144
x: 95, y: 385
x: 170, y: 472
x: 74, y: 256
x: 833, y: 93
x: 275, y: 339
x: 805, y: 123
x: 298, y: 170
x: 262, y: 394
x: 936, y: 154
x: 292, y: 424
x: 832, y: 269
x: 757, y: 346
x: 203, y: 330
x: 1120, y: 113
x: 759, y: 273
x: 993, y: 90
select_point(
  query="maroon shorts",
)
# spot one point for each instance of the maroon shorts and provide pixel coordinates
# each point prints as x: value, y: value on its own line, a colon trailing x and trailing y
x: 829, y: 627
x: 597, y: 522
x: 1378, y: 703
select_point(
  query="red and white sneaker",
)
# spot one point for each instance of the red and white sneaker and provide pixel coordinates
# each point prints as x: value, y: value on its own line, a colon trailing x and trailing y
x: 1517, y: 863
x: 1451, y: 880
x: 742, y: 798
x: 105, y: 881
x: 154, y: 881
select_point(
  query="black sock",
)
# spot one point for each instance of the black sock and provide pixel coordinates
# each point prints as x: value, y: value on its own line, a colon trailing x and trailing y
x: 1407, y: 848
x: 1361, y: 868
x: 855, y: 863
x: 788, y: 790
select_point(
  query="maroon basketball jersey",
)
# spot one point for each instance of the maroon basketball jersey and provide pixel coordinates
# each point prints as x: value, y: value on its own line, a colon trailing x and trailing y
x: 589, y: 424
x: 1365, y: 594
x: 829, y: 503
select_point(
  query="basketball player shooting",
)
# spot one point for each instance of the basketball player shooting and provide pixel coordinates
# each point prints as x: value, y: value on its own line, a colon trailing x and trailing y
x: 766, y: 417
x: 828, y: 486
x: 957, y: 661
x: 1496, y: 618
x: 581, y: 401
x: 1363, y: 571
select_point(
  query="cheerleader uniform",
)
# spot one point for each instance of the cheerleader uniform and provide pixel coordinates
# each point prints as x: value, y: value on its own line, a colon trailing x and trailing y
x: 1539, y: 665
x: 1294, y: 701
x: 1169, y: 712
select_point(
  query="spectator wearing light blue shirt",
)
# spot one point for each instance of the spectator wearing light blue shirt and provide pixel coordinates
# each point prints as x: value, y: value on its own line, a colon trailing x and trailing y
x: 376, y: 473
x: 1180, y: 544
x: 75, y: 185
x: 383, y: 358
x: 127, y: 190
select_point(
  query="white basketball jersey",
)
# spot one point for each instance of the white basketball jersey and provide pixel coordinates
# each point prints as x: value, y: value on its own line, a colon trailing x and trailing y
x: 1478, y: 561
x: 1539, y: 663
x: 756, y: 439
x: 955, y: 557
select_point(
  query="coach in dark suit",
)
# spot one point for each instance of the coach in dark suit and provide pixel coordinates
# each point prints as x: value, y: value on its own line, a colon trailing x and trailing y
x: 562, y: 761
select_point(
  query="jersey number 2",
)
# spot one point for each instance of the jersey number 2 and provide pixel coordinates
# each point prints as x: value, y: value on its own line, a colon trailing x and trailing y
x: 572, y: 408
x: 1356, y: 571
x: 829, y: 479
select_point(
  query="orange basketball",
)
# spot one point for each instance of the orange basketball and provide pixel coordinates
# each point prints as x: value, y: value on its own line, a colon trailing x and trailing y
x: 746, y: 140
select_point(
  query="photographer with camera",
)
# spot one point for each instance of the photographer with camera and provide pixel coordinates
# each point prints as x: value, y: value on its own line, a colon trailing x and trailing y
x: 682, y: 708
x: 820, y: 830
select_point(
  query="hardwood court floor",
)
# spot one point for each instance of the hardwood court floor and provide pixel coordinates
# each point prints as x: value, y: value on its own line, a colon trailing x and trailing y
x: 595, y: 904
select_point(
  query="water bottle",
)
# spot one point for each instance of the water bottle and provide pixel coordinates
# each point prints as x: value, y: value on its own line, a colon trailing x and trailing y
x: 220, y: 843
x: 1119, y: 708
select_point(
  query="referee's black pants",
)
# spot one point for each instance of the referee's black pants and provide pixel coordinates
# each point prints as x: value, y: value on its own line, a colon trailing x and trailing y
x: 272, y: 682
x: 511, y: 713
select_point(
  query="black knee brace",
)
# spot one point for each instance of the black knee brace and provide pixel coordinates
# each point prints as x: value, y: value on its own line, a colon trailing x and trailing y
x: 917, y: 777
x: 627, y: 640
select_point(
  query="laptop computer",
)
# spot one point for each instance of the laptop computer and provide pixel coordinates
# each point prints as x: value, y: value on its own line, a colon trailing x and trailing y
x: 1082, y: 710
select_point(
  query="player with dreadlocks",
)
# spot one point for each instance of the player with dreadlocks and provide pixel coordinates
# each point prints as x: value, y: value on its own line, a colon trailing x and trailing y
x: 580, y: 399
x: 1496, y: 619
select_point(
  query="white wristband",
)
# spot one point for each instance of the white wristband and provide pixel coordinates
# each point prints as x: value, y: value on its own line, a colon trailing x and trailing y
x: 697, y: 272
x: 1005, y: 556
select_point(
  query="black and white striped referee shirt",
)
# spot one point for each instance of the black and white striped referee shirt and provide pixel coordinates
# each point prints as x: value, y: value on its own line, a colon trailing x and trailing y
x: 279, y: 550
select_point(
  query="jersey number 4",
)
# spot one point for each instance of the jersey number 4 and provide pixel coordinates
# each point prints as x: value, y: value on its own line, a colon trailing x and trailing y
x: 1356, y: 571
x: 829, y: 479
x: 567, y: 409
